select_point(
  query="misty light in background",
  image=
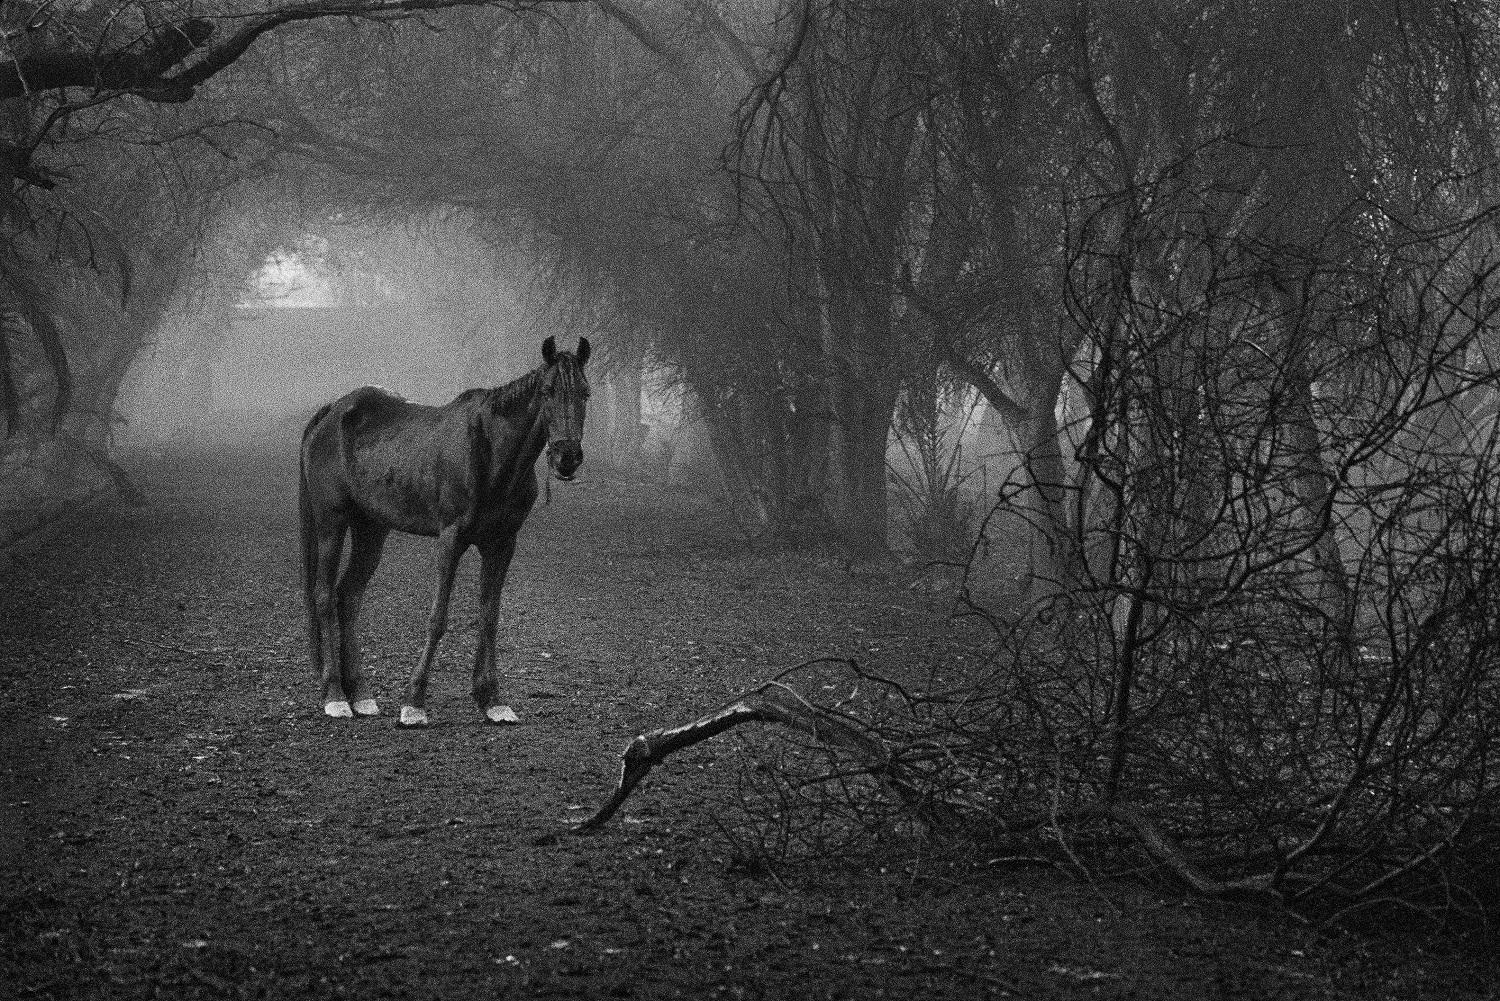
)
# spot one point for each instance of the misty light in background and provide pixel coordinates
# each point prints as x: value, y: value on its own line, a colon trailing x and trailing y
x: 285, y: 282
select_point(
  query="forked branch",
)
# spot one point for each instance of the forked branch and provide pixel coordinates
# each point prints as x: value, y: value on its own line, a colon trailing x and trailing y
x: 777, y: 704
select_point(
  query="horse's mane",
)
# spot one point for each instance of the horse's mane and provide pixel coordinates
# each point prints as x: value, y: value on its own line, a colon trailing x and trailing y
x: 522, y: 390
x: 516, y: 393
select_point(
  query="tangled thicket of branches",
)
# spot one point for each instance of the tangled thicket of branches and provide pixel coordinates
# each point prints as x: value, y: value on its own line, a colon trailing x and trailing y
x: 1274, y: 671
x: 1251, y: 768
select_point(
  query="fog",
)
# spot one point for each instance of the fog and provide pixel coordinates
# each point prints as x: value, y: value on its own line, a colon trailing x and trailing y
x: 320, y: 318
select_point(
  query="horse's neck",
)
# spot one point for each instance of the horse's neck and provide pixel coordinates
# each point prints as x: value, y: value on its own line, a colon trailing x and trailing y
x: 518, y: 405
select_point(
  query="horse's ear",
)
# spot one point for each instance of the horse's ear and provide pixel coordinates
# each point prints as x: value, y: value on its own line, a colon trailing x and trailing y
x: 549, y: 351
x: 583, y: 351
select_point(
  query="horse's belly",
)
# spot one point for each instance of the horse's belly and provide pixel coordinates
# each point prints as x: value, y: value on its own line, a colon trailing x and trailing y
x: 408, y: 503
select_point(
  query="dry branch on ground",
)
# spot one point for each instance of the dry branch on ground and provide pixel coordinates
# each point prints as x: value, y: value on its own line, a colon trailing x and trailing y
x: 934, y: 781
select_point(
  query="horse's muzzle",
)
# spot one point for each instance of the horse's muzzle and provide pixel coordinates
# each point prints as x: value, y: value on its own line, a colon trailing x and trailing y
x: 564, y: 457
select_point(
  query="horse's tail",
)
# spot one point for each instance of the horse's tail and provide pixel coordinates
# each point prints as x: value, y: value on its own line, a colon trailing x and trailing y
x: 309, y: 544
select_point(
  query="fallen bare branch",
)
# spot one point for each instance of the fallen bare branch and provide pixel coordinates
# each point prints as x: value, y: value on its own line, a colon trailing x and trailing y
x: 775, y: 703
x: 1170, y: 855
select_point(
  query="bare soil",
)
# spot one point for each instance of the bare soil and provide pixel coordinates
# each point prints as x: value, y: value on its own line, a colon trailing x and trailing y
x: 177, y: 818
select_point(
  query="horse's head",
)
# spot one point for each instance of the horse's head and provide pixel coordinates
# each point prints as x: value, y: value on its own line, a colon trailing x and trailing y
x: 565, y: 394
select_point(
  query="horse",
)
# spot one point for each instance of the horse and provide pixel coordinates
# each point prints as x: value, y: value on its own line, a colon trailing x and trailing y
x: 464, y: 472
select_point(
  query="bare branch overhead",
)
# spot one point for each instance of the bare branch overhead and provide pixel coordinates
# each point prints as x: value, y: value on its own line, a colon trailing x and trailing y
x: 144, y: 67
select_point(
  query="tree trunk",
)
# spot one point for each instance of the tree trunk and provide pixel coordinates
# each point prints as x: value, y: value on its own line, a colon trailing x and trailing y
x: 620, y: 433
x: 862, y: 396
x: 1314, y: 487
x: 744, y: 492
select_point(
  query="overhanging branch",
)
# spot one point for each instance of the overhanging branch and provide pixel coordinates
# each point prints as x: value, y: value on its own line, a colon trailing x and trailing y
x: 143, y: 67
x: 638, y: 30
x: 137, y: 67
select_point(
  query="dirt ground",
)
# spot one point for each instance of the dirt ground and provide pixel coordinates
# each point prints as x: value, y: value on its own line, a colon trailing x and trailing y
x: 177, y: 818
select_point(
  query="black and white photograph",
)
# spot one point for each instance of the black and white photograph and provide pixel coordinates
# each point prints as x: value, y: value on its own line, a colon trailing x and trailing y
x: 751, y: 499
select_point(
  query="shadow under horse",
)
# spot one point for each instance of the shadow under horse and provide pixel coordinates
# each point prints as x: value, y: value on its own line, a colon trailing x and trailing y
x: 463, y: 472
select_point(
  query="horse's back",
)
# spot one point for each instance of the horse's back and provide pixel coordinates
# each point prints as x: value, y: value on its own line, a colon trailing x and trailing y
x: 402, y: 464
x: 376, y: 402
x: 376, y: 411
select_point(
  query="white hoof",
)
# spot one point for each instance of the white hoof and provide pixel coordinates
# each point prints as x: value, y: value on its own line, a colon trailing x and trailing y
x: 366, y: 707
x: 338, y: 710
x: 501, y: 714
x: 412, y: 716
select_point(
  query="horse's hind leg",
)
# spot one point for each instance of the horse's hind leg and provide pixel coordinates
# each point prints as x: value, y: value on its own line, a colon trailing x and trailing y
x: 491, y: 583
x: 366, y: 541
x: 330, y: 548
x: 450, y: 550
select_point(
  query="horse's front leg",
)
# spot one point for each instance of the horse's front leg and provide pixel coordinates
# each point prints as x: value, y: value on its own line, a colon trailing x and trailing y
x: 496, y: 561
x: 450, y: 551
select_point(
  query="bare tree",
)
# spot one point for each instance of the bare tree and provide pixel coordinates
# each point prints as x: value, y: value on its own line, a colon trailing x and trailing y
x: 1270, y: 276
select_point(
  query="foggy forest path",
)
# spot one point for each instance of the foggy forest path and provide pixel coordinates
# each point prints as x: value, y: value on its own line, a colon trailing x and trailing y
x: 178, y: 818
